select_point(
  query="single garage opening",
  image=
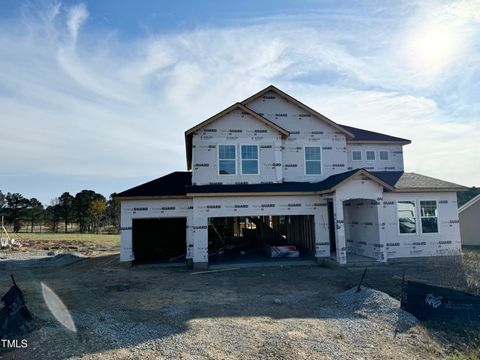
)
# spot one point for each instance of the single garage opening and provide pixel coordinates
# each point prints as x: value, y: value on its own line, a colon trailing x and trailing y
x: 258, y: 238
x: 159, y: 239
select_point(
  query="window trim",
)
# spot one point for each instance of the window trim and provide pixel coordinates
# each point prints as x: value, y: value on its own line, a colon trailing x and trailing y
x: 421, y: 217
x: 388, y: 155
x: 218, y: 159
x: 361, y: 155
x: 374, y: 155
x: 416, y: 233
x: 258, y: 160
x: 305, y: 160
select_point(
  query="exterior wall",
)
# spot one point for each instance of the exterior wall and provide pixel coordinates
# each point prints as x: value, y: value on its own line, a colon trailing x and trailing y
x: 394, y: 162
x: 144, y: 209
x: 445, y: 242
x: 305, y: 130
x: 236, y: 128
x: 470, y: 225
x: 206, y: 207
x: 362, y: 228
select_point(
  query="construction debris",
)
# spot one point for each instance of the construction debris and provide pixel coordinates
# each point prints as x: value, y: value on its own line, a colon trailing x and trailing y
x: 15, y: 318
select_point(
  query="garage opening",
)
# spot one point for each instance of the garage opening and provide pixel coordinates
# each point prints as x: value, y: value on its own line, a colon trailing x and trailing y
x: 159, y: 239
x: 255, y: 238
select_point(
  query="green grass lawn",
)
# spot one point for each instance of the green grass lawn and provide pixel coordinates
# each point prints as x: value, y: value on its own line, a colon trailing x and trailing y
x: 98, y: 239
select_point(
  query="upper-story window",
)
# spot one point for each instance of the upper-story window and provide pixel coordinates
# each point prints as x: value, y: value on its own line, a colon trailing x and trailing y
x: 313, y: 160
x: 370, y: 155
x: 249, y: 159
x: 356, y: 155
x: 227, y: 160
x: 383, y: 155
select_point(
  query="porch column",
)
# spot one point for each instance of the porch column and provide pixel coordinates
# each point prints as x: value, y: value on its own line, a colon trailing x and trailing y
x: 126, y: 250
x: 189, y: 250
x: 322, y: 242
x: 340, y: 231
x: 200, y: 242
x: 382, y: 234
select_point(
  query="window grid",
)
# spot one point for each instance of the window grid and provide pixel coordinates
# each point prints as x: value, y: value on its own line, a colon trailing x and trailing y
x: 313, y: 160
x: 227, y: 164
x: 249, y: 159
x: 429, y: 216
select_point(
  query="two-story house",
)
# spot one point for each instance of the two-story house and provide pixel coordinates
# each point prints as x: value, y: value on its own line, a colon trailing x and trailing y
x: 271, y: 175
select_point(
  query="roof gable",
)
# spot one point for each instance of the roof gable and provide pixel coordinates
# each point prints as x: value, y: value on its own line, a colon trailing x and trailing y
x: 299, y: 104
x: 236, y: 106
x: 243, y: 108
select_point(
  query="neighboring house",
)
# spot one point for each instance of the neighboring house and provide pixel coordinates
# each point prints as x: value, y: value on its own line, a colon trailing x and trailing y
x: 469, y: 215
x: 274, y: 173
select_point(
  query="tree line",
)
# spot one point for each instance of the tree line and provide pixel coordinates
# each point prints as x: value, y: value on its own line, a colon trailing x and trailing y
x: 87, y: 211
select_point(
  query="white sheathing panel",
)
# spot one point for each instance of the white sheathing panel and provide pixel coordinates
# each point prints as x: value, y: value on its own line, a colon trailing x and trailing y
x: 394, y: 162
x: 144, y: 209
x: 358, y: 187
x: 445, y: 242
x: 207, y: 207
x: 362, y: 228
x: 470, y: 224
x: 305, y: 130
x: 236, y: 128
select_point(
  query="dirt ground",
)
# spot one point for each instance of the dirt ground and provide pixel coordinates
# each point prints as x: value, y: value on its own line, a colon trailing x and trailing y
x: 275, y: 312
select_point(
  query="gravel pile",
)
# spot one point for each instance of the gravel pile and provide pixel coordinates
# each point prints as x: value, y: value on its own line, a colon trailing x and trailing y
x: 376, y: 304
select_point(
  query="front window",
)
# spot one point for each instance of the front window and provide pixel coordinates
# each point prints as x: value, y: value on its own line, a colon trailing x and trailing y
x: 250, y: 159
x: 383, y: 155
x: 406, y: 217
x: 227, y: 160
x: 429, y: 216
x: 356, y: 155
x: 313, y: 160
x: 370, y: 155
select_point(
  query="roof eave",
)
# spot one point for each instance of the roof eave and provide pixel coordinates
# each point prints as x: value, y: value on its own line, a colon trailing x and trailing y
x: 400, y: 142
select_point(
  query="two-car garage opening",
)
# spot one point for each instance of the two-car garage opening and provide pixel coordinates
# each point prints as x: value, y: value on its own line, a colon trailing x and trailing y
x: 258, y: 238
x: 159, y: 239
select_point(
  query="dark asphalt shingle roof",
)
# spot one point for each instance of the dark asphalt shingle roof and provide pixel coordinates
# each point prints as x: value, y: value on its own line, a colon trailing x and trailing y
x: 173, y: 184
x: 272, y: 187
x: 180, y: 183
x: 366, y: 135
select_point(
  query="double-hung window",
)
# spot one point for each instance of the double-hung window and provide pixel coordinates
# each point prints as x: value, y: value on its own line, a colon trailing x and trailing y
x: 249, y: 159
x: 406, y: 212
x: 370, y: 155
x: 429, y: 216
x: 383, y: 155
x: 227, y: 160
x: 313, y: 160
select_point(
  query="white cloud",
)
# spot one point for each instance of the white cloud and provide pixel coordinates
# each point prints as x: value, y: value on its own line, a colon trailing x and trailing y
x: 109, y: 108
x: 77, y: 15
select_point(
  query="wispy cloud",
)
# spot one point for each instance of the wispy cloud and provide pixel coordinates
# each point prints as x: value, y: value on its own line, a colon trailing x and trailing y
x: 77, y: 102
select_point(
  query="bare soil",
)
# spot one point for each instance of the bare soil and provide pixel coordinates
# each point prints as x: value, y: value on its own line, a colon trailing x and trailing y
x: 282, y: 312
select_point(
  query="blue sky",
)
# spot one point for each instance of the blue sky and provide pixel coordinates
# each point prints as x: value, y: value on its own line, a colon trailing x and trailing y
x: 97, y: 94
